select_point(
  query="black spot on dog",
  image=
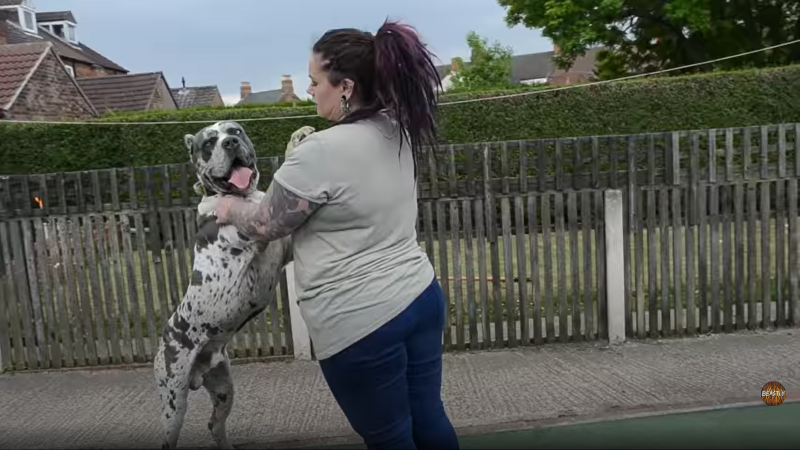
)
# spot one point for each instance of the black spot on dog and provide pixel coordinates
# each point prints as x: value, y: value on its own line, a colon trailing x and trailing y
x: 242, y: 237
x: 207, y: 231
x: 172, y: 404
x: 211, y: 330
x: 181, y: 323
x: 208, y: 150
x: 236, y: 251
x: 204, y: 358
x: 189, y: 306
x: 208, y: 278
x: 197, y: 278
x: 222, y: 398
x: 178, y: 332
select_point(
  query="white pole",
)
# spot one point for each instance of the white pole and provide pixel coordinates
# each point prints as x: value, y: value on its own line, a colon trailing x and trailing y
x: 615, y: 278
x: 300, y: 337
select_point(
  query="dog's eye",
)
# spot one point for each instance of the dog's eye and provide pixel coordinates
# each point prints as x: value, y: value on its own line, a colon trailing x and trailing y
x: 237, y: 132
x: 207, y: 144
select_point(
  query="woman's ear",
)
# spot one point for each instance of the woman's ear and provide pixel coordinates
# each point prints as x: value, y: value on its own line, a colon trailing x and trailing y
x: 347, y: 88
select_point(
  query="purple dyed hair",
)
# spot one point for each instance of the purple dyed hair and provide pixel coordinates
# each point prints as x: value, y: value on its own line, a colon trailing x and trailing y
x: 392, y: 70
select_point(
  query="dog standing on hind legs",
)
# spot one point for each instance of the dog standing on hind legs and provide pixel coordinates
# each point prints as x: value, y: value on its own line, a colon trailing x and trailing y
x: 233, y: 280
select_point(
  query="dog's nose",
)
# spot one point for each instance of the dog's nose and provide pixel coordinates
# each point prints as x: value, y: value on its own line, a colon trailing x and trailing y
x: 231, y: 143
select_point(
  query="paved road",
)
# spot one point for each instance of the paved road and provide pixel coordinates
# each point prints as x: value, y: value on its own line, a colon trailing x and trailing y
x: 281, y: 404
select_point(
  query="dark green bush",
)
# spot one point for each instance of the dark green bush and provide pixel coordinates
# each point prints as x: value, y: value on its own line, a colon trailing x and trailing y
x: 731, y: 99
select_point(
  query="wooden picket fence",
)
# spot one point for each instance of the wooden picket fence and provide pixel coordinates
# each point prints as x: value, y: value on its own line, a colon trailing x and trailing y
x: 91, y: 263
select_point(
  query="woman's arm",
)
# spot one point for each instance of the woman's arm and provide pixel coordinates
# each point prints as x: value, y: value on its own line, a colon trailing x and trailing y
x: 278, y: 214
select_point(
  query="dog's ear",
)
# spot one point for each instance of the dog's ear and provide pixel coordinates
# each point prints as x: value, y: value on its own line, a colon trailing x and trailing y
x: 188, y: 141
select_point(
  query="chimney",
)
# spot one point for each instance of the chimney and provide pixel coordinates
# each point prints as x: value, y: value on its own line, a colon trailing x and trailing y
x: 286, y: 86
x: 245, y: 89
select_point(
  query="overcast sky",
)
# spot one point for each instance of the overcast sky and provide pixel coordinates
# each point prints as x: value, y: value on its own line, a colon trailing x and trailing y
x: 227, y: 42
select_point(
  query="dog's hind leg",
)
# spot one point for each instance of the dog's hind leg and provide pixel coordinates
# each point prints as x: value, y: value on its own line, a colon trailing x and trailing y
x: 219, y: 384
x: 172, y: 368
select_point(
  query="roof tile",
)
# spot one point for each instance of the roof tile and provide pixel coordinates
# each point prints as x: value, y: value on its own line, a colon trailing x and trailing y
x: 16, y: 63
x: 55, y: 16
x: 80, y: 53
x: 119, y: 93
x: 195, y: 96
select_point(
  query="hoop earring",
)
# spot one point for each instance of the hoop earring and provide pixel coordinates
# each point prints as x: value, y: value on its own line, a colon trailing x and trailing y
x: 345, y: 106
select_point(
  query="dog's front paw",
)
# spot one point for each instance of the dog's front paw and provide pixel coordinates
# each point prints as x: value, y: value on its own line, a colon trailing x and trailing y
x: 297, y: 137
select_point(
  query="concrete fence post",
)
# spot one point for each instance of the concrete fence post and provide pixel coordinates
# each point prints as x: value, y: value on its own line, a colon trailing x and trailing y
x: 300, y: 337
x: 615, y: 278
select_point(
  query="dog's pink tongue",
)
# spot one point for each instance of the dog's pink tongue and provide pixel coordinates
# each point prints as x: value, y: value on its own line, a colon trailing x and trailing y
x: 240, y: 177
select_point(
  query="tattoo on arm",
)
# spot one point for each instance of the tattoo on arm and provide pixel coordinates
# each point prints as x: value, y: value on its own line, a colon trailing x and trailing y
x: 278, y: 215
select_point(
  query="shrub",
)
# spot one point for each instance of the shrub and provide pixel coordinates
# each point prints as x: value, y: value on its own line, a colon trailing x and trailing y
x: 729, y: 99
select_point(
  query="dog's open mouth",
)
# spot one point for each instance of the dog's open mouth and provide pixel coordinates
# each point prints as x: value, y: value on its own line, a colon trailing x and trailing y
x: 241, y: 177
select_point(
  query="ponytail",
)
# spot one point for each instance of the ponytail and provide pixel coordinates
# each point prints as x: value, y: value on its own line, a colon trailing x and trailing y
x: 402, y: 78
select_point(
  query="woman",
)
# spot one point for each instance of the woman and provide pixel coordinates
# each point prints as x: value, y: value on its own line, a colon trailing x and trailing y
x: 347, y: 195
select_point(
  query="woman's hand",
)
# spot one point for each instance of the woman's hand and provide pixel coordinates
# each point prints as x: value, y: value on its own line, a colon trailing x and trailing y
x: 225, y: 205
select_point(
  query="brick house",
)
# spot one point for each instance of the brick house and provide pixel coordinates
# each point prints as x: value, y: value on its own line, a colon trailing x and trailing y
x: 129, y: 93
x: 284, y: 94
x: 35, y: 85
x: 197, y: 96
x: 26, y: 25
x: 538, y: 68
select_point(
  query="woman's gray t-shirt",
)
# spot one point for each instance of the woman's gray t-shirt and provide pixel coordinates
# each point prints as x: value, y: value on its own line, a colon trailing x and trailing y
x: 357, y: 260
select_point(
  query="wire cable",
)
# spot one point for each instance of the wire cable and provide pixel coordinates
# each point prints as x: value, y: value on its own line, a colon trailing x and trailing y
x: 457, y: 102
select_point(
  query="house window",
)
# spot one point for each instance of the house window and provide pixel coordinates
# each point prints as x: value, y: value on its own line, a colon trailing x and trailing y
x: 70, y: 70
x: 27, y: 19
x: 71, y: 33
x: 58, y: 30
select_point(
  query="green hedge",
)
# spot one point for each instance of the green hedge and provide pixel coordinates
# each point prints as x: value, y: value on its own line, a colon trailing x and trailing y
x: 731, y: 99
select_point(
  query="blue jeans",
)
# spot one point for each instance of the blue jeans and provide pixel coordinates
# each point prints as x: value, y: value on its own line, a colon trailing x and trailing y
x: 389, y: 383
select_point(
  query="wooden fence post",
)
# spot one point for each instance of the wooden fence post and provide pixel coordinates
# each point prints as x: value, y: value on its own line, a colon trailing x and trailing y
x: 4, y: 358
x: 300, y: 337
x: 615, y: 277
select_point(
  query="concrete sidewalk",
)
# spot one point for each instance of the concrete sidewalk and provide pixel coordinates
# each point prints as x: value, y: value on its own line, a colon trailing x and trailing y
x: 281, y: 404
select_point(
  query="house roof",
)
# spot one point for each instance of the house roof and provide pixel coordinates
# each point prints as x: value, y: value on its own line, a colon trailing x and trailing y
x: 17, y: 63
x: 10, y: 2
x: 64, y: 49
x: 130, y: 92
x: 191, y: 97
x: 532, y: 66
x: 539, y: 65
x: 263, y: 97
x: 55, y: 16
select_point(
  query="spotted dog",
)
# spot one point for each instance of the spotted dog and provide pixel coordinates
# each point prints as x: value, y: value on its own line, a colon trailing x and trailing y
x: 233, y: 280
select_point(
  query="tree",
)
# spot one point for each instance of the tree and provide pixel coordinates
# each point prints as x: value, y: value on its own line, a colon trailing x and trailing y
x: 489, y: 67
x: 646, y: 35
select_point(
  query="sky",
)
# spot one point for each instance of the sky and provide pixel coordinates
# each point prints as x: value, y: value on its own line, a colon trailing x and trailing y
x: 226, y: 42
